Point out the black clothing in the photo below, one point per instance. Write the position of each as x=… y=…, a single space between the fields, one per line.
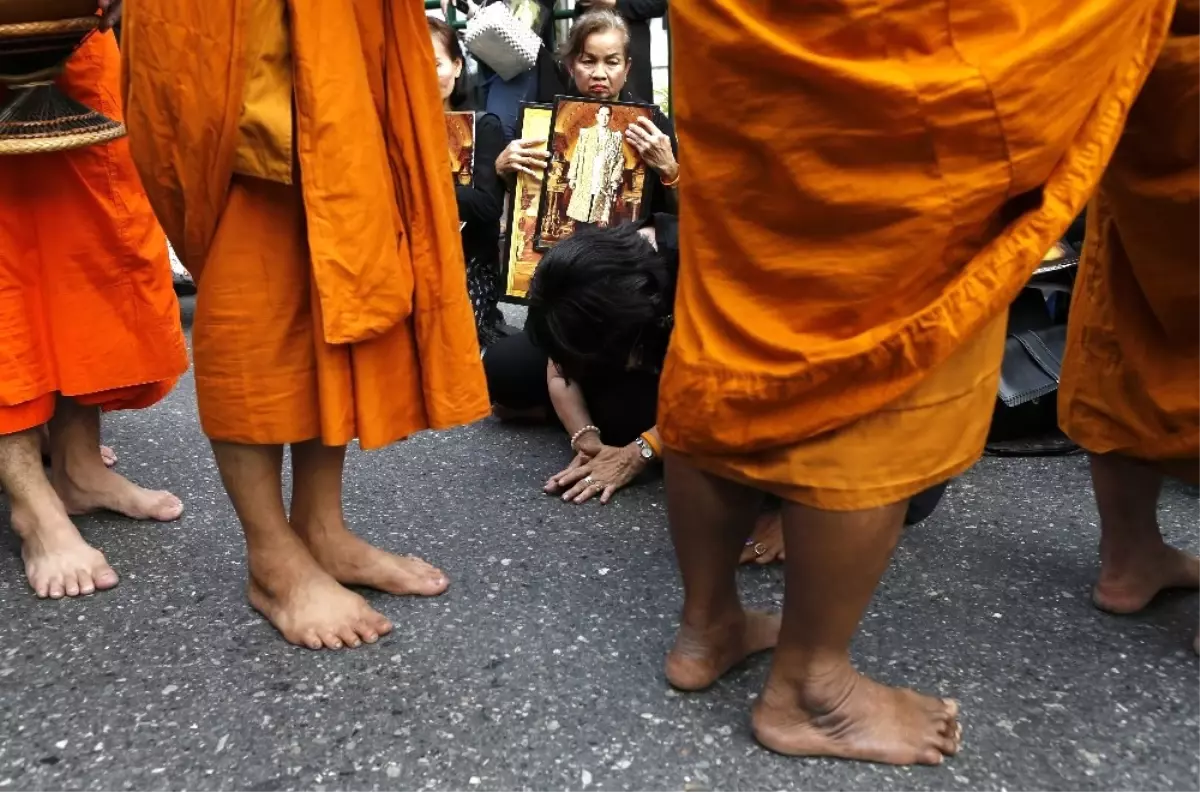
x=480 y=207
x=637 y=15
x=623 y=404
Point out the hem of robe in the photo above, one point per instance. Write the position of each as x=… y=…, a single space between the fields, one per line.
x=933 y=433
x=264 y=373
x=86 y=299
x=1131 y=372
x=36 y=412
x=709 y=403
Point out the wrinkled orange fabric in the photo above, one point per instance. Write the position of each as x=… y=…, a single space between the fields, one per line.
x=87 y=307
x=876 y=188
x=384 y=301
x=1131 y=374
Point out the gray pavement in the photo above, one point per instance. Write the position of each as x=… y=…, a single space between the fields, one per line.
x=540 y=669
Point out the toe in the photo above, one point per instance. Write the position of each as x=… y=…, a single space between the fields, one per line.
x=105 y=577
x=349 y=637
x=951 y=708
x=330 y=640
x=380 y=624
x=931 y=756
x=71 y=584
x=366 y=631
x=57 y=588
x=310 y=640
x=86 y=584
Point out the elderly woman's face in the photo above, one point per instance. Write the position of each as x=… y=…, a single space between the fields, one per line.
x=601 y=68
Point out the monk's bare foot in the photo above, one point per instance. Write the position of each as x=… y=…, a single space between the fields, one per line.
x=355 y=562
x=765 y=545
x=58 y=562
x=850 y=716
x=1127 y=583
x=103 y=489
x=701 y=657
x=309 y=607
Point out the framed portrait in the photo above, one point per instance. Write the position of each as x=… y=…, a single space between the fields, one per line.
x=460 y=129
x=594 y=176
x=522 y=257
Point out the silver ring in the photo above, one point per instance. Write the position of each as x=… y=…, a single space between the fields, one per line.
x=591 y=482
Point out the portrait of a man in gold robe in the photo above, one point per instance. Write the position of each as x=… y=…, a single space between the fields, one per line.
x=594 y=176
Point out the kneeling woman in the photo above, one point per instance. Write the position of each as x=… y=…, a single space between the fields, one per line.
x=600 y=319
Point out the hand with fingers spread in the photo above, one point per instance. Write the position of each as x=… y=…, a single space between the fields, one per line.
x=600 y=475
x=524 y=155
x=110 y=13
x=654 y=148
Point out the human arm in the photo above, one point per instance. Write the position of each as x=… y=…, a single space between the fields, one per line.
x=571 y=408
x=481 y=203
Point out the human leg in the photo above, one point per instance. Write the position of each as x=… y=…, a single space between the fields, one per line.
x=85 y=483
x=287 y=586
x=710 y=519
x=814 y=702
x=1135 y=563
x=58 y=562
x=318 y=520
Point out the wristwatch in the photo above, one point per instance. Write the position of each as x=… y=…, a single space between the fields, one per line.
x=645 y=450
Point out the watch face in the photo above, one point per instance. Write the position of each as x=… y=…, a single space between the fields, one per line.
x=647 y=451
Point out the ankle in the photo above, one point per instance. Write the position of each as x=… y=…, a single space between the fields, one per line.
x=712 y=616
x=817 y=685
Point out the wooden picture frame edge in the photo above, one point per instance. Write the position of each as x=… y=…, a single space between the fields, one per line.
x=537 y=233
x=506 y=259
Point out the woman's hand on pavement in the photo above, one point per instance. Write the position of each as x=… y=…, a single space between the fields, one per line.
x=600 y=475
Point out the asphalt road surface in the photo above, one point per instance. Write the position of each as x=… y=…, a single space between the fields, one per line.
x=541 y=668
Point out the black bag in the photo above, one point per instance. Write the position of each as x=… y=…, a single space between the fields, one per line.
x=1025 y=421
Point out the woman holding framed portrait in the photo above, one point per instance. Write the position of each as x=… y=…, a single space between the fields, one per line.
x=596 y=56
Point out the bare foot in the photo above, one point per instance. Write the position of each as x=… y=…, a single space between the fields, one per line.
x=854 y=717
x=106 y=490
x=58 y=562
x=108 y=456
x=310 y=608
x=355 y=562
x=765 y=545
x=1128 y=586
x=700 y=658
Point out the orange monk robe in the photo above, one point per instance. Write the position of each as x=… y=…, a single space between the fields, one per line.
x=869 y=190
x=334 y=306
x=1131 y=375
x=87 y=307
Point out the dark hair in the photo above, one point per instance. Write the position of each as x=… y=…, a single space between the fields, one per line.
x=601 y=300
x=600 y=21
x=460 y=97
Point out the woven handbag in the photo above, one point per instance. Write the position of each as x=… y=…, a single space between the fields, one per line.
x=500 y=40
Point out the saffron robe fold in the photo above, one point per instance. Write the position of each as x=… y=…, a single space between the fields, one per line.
x=349 y=315
x=1131 y=374
x=87 y=307
x=868 y=191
